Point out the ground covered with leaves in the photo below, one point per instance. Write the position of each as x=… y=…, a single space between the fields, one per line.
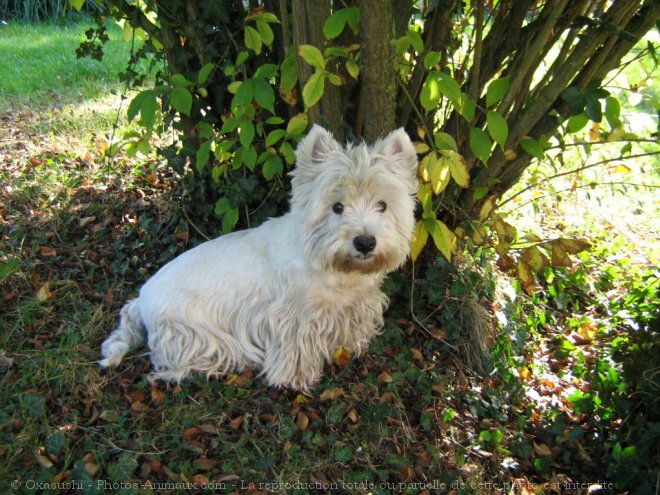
x=564 y=400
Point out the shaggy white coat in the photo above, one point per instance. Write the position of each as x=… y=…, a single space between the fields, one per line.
x=283 y=296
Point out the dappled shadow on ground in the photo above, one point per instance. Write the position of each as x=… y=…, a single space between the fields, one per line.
x=410 y=416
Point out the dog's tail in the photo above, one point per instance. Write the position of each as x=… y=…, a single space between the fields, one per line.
x=128 y=335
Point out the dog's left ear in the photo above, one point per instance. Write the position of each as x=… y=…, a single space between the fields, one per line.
x=316 y=146
x=398 y=148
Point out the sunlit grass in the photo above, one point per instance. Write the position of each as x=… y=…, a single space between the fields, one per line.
x=38 y=64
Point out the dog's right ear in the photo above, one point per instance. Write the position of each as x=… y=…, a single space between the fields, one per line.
x=315 y=147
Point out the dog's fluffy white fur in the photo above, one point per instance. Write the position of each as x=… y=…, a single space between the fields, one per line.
x=285 y=295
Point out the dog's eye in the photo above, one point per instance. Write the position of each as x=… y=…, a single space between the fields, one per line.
x=381 y=206
x=338 y=208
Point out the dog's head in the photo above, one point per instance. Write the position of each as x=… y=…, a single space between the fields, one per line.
x=355 y=203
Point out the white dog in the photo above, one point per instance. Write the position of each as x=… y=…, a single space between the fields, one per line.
x=285 y=295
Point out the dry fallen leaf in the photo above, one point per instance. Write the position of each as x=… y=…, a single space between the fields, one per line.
x=341 y=357
x=44 y=293
x=331 y=394
x=47 y=251
x=385 y=377
x=236 y=422
x=302 y=421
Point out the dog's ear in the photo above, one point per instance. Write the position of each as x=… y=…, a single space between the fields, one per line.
x=316 y=146
x=397 y=146
x=401 y=156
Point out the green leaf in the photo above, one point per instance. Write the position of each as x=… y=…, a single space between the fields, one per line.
x=431 y=59
x=202 y=156
x=334 y=25
x=466 y=107
x=313 y=90
x=430 y=95
x=449 y=87
x=274 y=137
x=288 y=74
x=272 y=167
x=265 y=71
x=77 y=4
x=244 y=94
x=576 y=123
x=353 y=18
x=250 y=157
x=204 y=73
x=145 y=104
x=613 y=112
x=242 y=57
x=496 y=90
x=229 y=220
x=264 y=95
x=575 y=99
x=181 y=99
x=124 y=468
x=343 y=455
x=289 y=154
x=230 y=125
x=252 y=39
x=8 y=268
x=180 y=80
x=297 y=124
x=593 y=109
x=532 y=147
x=416 y=40
x=444 y=141
x=497 y=127
x=246 y=133
x=353 y=68
x=312 y=56
x=222 y=206
x=265 y=32
x=480 y=144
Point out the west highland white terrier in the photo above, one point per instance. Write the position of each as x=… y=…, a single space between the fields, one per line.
x=284 y=296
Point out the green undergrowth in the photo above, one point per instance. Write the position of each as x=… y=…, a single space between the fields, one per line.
x=473 y=387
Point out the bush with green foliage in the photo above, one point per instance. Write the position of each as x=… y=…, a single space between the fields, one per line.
x=486 y=88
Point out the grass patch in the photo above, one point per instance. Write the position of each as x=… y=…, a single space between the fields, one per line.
x=39 y=66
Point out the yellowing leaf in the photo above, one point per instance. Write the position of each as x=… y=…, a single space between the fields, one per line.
x=559 y=256
x=440 y=175
x=421 y=147
x=297 y=124
x=587 y=331
x=458 y=167
x=420 y=237
x=341 y=356
x=526 y=277
x=444 y=239
x=620 y=169
x=487 y=208
x=505 y=231
x=535 y=258
x=574 y=246
x=510 y=155
x=479 y=236
x=425 y=167
x=505 y=262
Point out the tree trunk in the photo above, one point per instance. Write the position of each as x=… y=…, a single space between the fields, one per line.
x=378 y=75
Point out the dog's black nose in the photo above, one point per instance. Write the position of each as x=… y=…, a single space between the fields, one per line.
x=364 y=243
